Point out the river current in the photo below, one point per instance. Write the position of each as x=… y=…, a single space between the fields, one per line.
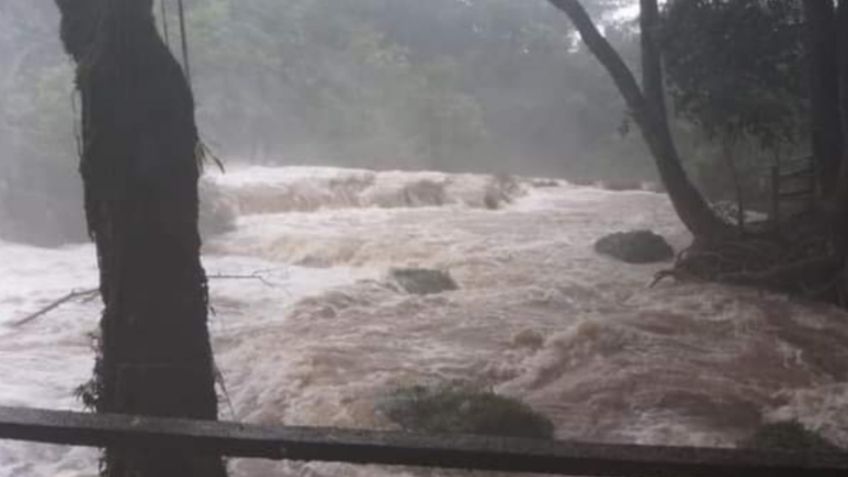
x=315 y=333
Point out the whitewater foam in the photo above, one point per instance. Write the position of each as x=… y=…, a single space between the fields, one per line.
x=263 y=190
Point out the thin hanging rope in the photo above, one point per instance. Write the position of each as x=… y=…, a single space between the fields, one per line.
x=164 y=14
x=184 y=39
x=202 y=152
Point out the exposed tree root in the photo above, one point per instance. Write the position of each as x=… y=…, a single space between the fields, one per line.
x=801 y=264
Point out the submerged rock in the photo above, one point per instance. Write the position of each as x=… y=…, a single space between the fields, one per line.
x=621 y=185
x=419 y=281
x=640 y=246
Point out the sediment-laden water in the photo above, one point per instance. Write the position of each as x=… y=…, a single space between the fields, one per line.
x=323 y=335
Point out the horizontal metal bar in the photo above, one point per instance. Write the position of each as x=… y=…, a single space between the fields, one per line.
x=798 y=160
x=806 y=173
x=393 y=448
x=797 y=194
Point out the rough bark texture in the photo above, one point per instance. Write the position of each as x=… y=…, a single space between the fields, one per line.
x=649 y=112
x=841 y=194
x=140 y=179
x=827 y=139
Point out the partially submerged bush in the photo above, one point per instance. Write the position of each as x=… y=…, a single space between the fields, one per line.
x=462 y=409
x=501 y=191
x=420 y=281
x=789 y=436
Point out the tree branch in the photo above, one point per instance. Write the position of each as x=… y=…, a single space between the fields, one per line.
x=605 y=53
x=253 y=276
x=649 y=112
x=92 y=293
x=55 y=304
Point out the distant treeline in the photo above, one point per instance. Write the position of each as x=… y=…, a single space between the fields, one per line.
x=500 y=86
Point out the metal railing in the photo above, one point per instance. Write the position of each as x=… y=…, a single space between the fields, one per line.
x=793 y=183
x=393 y=448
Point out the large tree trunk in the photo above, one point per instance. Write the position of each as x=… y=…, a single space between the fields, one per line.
x=140 y=177
x=649 y=112
x=826 y=125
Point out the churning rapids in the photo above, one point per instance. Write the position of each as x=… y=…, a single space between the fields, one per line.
x=538 y=316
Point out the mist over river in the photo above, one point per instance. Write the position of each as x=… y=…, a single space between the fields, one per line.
x=539 y=316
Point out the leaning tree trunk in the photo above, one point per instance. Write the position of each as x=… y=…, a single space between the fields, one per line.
x=648 y=110
x=140 y=179
x=826 y=124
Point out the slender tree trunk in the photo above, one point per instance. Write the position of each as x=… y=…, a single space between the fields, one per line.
x=840 y=201
x=140 y=178
x=826 y=124
x=652 y=75
x=648 y=110
x=727 y=152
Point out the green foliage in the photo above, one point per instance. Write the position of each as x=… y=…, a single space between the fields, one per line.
x=736 y=73
x=40 y=198
x=735 y=67
x=461 y=409
x=441 y=84
x=419 y=281
x=321 y=76
x=483 y=85
x=787 y=435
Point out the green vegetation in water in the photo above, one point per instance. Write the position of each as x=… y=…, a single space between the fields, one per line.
x=462 y=409
x=419 y=281
x=788 y=435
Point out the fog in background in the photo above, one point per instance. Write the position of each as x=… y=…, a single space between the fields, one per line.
x=489 y=86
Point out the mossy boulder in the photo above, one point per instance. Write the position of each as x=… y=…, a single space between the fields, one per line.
x=419 y=281
x=462 y=409
x=789 y=436
x=639 y=246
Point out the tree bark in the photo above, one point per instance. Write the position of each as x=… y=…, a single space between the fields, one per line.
x=652 y=76
x=727 y=152
x=140 y=178
x=649 y=113
x=840 y=198
x=826 y=123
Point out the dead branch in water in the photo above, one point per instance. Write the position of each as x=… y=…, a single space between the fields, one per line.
x=253 y=276
x=56 y=304
x=91 y=293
